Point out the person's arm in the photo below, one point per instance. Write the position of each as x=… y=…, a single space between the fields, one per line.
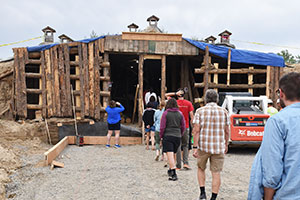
x=268 y=193
x=182 y=124
x=191 y=116
x=272 y=151
x=170 y=94
x=121 y=109
x=196 y=133
x=226 y=138
x=163 y=122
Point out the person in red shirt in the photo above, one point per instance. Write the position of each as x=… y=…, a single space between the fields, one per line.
x=186 y=107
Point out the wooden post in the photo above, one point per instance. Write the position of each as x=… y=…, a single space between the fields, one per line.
x=163 y=77
x=206 y=65
x=105 y=83
x=228 y=66
x=268 y=79
x=91 y=79
x=62 y=82
x=68 y=83
x=52 y=64
x=216 y=80
x=48 y=83
x=97 y=82
x=140 y=72
x=250 y=80
x=56 y=82
x=43 y=101
x=134 y=103
x=77 y=86
x=86 y=79
x=81 y=75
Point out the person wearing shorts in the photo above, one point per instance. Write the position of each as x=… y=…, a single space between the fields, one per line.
x=148 y=119
x=211 y=134
x=113 y=121
x=172 y=127
x=157 y=117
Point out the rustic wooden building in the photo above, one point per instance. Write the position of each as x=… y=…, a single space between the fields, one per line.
x=122 y=66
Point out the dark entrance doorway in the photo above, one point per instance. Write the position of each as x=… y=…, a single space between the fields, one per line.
x=152 y=76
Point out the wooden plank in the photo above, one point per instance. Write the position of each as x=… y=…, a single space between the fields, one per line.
x=163 y=77
x=105 y=64
x=52 y=153
x=8 y=73
x=67 y=79
x=56 y=82
x=206 y=65
x=141 y=81
x=151 y=36
x=97 y=82
x=86 y=80
x=135 y=102
x=43 y=86
x=32 y=75
x=90 y=140
x=250 y=80
x=62 y=82
x=48 y=83
x=268 y=79
x=22 y=100
x=34 y=107
x=51 y=50
x=34 y=91
x=216 y=76
x=153 y=57
x=57 y=164
x=16 y=83
x=228 y=66
x=232 y=71
x=34 y=61
x=225 y=86
x=91 y=79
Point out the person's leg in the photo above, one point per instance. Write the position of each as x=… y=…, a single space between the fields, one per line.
x=147 y=140
x=117 y=137
x=216 y=166
x=109 y=133
x=178 y=157
x=157 y=145
x=201 y=162
x=171 y=160
x=185 y=148
x=201 y=177
x=152 y=140
x=216 y=182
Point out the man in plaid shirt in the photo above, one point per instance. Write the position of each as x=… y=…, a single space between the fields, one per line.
x=211 y=134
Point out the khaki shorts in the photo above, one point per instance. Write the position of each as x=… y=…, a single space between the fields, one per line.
x=216 y=161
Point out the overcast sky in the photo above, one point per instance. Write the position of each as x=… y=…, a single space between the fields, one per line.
x=274 y=22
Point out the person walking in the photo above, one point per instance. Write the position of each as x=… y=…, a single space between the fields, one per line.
x=186 y=107
x=275 y=170
x=113 y=120
x=211 y=134
x=172 y=127
x=157 y=117
x=148 y=118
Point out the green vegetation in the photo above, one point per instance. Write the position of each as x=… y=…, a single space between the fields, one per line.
x=288 y=57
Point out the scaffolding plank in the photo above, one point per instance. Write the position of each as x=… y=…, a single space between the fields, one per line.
x=103 y=139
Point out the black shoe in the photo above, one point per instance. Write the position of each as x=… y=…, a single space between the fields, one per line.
x=202 y=196
x=173 y=176
x=169 y=172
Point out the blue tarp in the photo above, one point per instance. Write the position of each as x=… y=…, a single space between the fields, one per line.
x=48 y=46
x=241 y=56
x=237 y=55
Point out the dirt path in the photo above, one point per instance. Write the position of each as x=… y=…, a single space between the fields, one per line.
x=94 y=172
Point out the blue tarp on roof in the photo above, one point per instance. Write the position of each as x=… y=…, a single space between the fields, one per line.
x=48 y=46
x=241 y=56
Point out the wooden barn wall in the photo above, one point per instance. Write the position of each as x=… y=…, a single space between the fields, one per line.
x=77 y=67
x=116 y=44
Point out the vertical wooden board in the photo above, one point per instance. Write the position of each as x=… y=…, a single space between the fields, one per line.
x=97 y=83
x=105 y=83
x=268 y=78
x=86 y=80
x=22 y=78
x=62 y=82
x=250 y=80
x=91 y=79
x=163 y=77
x=205 y=78
x=48 y=83
x=43 y=85
x=56 y=82
x=67 y=79
x=141 y=80
x=81 y=75
x=51 y=51
x=216 y=76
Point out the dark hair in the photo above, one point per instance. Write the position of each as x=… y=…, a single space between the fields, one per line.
x=172 y=103
x=211 y=96
x=181 y=89
x=152 y=99
x=290 y=85
x=112 y=104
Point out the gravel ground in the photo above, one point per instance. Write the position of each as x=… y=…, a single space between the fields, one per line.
x=94 y=172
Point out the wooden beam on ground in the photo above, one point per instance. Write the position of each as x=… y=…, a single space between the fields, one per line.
x=228 y=66
x=52 y=153
x=163 y=77
x=56 y=164
x=206 y=65
x=103 y=139
x=250 y=80
x=141 y=81
x=268 y=79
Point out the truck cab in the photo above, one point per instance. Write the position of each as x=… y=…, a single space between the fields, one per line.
x=248 y=116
